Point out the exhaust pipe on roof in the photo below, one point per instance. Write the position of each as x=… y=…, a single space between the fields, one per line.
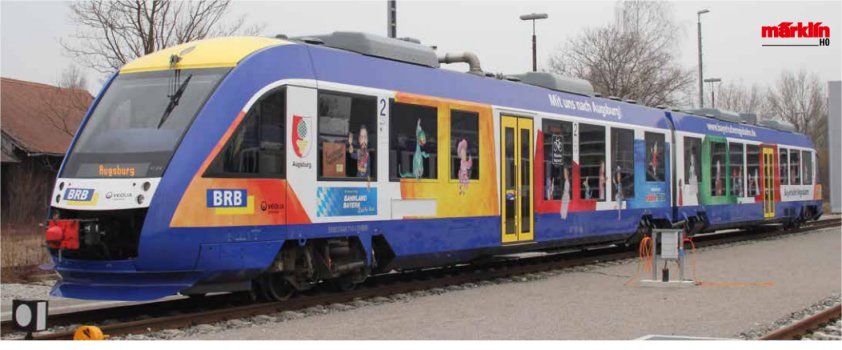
x=465 y=57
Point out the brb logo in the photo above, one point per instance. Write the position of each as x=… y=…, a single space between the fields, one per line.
x=80 y=196
x=230 y=201
x=790 y=30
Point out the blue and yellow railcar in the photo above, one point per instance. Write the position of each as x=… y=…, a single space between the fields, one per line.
x=274 y=165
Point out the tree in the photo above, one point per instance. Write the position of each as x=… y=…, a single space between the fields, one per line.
x=634 y=56
x=113 y=32
x=72 y=77
x=69 y=98
x=738 y=98
x=799 y=98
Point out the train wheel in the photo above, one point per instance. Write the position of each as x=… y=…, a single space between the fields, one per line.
x=277 y=287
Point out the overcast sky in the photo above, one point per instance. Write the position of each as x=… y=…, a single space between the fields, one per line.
x=731 y=32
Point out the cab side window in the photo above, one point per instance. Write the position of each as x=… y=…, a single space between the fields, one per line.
x=347 y=137
x=256 y=147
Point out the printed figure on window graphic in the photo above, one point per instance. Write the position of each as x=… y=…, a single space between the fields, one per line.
x=419 y=155
x=618 y=190
x=465 y=165
x=362 y=153
x=565 y=194
x=602 y=180
x=653 y=162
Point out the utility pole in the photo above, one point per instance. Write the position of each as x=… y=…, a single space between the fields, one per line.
x=712 y=96
x=701 y=77
x=532 y=17
x=392 y=18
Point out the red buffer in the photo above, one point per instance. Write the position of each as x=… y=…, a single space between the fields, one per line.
x=63 y=234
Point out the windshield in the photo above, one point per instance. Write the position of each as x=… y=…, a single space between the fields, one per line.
x=138 y=123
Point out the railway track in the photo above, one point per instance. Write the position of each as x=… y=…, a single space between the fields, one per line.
x=181 y=313
x=806 y=326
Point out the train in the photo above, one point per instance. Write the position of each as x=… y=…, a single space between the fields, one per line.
x=273 y=165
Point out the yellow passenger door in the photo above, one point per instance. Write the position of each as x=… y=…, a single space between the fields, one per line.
x=517 y=179
x=768 y=182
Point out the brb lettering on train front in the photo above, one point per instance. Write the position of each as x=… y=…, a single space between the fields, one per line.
x=78 y=194
x=226 y=198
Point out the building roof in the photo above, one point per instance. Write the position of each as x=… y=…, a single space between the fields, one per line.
x=41 y=118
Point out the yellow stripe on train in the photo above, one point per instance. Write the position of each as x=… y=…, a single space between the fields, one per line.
x=209 y=53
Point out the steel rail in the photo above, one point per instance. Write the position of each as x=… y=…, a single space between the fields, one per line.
x=805 y=326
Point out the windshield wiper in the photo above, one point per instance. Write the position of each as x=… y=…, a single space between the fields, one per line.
x=174 y=98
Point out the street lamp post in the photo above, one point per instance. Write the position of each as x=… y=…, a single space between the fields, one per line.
x=532 y=17
x=701 y=77
x=712 y=96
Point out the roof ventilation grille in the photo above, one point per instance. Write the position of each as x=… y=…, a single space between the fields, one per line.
x=720 y=114
x=407 y=50
x=777 y=125
x=557 y=83
x=749 y=118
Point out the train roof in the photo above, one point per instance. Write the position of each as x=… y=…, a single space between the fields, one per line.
x=711 y=126
x=352 y=68
x=354 y=65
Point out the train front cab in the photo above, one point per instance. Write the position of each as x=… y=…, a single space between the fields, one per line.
x=112 y=232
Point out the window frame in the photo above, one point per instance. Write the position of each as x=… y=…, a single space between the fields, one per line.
x=807 y=154
x=547 y=161
x=663 y=153
x=373 y=126
x=783 y=152
x=797 y=152
x=742 y=164
x=726 y=164
x=391 y=118
x=208 y=173
x=748 y=175
x=605 y=155
x=474 y=167
x=611 y=172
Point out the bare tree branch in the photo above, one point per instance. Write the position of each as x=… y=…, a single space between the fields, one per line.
x=631 y=57
x=113 y=32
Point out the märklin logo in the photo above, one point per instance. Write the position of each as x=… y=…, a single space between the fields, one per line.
x=790 y=30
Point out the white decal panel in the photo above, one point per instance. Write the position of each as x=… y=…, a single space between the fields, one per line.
x=103 y=194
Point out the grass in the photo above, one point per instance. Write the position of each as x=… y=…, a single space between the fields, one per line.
x=22 y=246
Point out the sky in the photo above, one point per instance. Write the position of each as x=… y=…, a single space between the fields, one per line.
x=30 y=32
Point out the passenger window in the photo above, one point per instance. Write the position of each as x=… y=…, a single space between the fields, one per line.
x=592 y=161
x=558 y=158
x=654 y=156
x=347 y=137
x=413 y=146
x=464 y=145
x=794 y=167
x=718 y=151
x=692 y=156
x=256 y=148
x=783 y=166
x=735 y=152
x=753 y=168
x=622 y=161
x=807 y=161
